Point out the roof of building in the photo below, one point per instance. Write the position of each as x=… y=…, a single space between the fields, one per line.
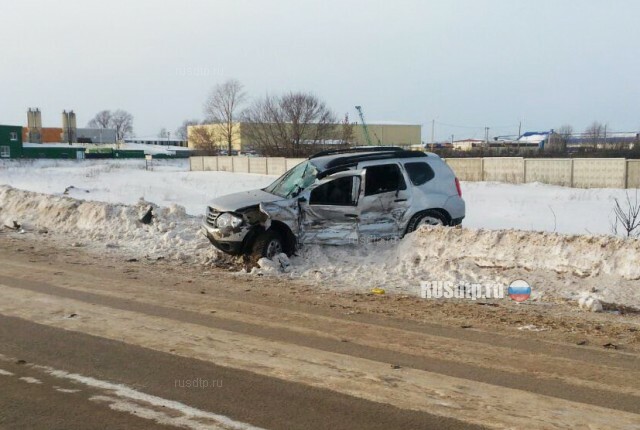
x=52 y=145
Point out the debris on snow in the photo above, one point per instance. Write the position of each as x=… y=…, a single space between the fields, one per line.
x=590 y=303
x=148 y=216
x=279 y=264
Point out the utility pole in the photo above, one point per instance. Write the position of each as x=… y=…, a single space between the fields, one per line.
x=486 y=136
x=433 y=133
x=520 y=129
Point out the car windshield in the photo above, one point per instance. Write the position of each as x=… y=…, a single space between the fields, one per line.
x=294 y=181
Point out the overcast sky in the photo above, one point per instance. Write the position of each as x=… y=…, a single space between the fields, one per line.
x=468 y=63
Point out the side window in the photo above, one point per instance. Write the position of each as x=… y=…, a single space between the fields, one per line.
x=419 y=173
x=5 y=151
x=339 y=192
x=13 y=135
x=384 y=179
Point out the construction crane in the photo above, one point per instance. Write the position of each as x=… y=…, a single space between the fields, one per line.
x=364 y=126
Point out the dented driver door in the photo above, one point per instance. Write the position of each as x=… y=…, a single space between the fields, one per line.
x=329 y=211
x=384 y=203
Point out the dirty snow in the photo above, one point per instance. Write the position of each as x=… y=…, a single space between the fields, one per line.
x=102 y=212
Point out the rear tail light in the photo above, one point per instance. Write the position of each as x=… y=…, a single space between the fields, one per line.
x=458 y=187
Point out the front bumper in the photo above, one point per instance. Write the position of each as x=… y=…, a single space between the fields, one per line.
x=231 y=243
x=234 y=242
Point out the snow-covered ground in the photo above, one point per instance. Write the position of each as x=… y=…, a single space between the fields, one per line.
x=102 y=211
x=535 y=207
x=126 y=181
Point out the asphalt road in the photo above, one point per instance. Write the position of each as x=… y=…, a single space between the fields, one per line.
x=87 y=344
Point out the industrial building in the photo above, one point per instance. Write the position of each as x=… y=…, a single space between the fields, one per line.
x=12 y=146
x=10 y=141
x=161 y=141
x=380 y=134
x=34 y=132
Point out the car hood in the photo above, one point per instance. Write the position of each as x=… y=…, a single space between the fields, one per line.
x=237 y=201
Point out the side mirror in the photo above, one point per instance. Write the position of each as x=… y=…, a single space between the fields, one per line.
x=302 y=199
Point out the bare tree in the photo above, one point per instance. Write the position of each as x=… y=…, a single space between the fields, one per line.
x=101 y=120
x=594 y=134
x=289 y=125
x=346 y=133
x=627 y=215
x=182 y=132
x=222 y=107
x=122 y=122
x=163 y=133
x=560 y=138
x=204 y=138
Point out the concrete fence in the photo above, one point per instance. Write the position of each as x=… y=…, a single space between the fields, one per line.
x=568 y=172
x=239 y=164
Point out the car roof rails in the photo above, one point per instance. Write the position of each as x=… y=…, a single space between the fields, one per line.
x=358 y=149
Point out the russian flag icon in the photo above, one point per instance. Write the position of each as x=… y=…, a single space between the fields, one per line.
x=519 y=291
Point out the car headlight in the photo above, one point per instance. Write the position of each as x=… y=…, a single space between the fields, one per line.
x=227 y=220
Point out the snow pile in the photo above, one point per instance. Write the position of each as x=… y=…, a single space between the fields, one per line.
x=579 y=255
x=172 y=234
x=555 y=265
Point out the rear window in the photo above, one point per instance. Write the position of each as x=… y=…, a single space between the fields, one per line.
x=419 y=172
x=383 y=179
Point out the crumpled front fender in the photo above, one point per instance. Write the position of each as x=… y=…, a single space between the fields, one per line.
x=285 y=211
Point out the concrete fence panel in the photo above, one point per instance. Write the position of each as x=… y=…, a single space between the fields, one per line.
x=548 y=171
x=633 y=173
x=196 y=164
x=225 y=163
x=258 y=165
x=466 y=169
x=293 y=162
x=276 y=165
x=210 y=163
x=504 y=169
x=240 y=164
x=578 y=172
x=599 y=172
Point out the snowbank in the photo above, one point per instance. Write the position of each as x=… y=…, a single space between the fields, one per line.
x=555 y=265
x=108 y=227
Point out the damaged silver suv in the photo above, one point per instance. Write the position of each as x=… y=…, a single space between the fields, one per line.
x=338 y=197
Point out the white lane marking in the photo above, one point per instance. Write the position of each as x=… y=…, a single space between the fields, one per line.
x=66 y=390
x=127 y=399
x=5 y=372
x=30 y=380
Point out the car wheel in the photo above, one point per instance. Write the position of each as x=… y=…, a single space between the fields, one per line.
x=430 y=217
x=267 y=245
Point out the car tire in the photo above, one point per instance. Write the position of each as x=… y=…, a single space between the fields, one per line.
x=267 y=245
x=429 y=217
